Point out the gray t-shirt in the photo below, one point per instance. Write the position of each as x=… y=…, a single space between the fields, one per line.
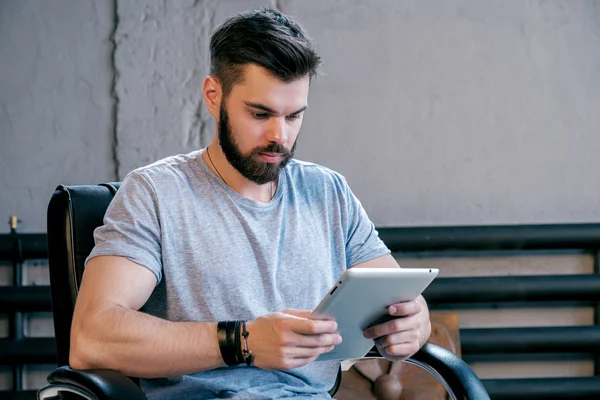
x=220 y=256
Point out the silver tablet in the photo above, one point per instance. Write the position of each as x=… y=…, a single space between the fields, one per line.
x=360 y=299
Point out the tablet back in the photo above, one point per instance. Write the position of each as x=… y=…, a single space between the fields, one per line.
x=361 y=298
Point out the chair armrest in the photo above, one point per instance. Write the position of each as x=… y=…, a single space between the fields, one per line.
x=460 y=379
x=450 y=370
x=94 y=384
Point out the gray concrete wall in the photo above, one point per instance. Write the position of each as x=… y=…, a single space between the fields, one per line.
x=455 y=112
x=56 y=124
x=460 y=112
x=161 y=60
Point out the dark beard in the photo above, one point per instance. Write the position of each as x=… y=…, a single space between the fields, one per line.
x=249 y=166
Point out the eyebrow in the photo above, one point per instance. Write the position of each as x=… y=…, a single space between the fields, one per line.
x=270 y=110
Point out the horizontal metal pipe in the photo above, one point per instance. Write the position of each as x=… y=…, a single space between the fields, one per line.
x=407 y=239
x=571 y=339
x=555 y=288
x=442 y=293
x=527 y=357
x=25 y=298
x=568 y=339
x=42 y=350
x=33 y=245
x=580 y=388
x=507 y=305
x=549 y=343
x=27 y=351
x=501 y=237
x=21 y=395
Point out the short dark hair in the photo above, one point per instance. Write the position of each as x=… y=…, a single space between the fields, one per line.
x=264 y=37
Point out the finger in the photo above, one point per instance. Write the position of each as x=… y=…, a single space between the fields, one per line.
x=398 y=338
x=394 y=326
x=405 y=309
x=307 y=352
x=401 y=350
x=311 y=326
x=323 y=340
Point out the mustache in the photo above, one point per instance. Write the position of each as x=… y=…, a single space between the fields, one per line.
x=273 y=148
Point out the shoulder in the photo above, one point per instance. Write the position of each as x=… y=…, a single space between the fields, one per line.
x=168 y=165
x=165 y=172
x=311 y=173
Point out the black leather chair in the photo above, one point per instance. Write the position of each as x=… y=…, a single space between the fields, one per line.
x=73 y=214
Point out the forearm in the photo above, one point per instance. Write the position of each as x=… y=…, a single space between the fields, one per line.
x=141 y=345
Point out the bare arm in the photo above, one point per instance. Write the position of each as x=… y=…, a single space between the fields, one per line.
x=109 y=332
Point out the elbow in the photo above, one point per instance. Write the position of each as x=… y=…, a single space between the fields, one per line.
x=78 y=361
x=79 y=355
x=82 y=352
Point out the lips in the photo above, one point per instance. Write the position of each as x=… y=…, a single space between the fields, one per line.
x=271 y=157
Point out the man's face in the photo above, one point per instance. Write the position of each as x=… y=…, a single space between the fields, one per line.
x=259 y=123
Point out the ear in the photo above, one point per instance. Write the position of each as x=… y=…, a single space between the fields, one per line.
x=212 y=93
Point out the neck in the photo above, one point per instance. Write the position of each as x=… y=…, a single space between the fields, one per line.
x=217 y=161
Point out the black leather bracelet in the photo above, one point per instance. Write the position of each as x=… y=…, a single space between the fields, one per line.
x=231 y=341
x=247 y=355
x=226 y=336
x=238 y=343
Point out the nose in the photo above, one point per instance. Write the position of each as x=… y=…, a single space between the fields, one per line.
x=277 y=130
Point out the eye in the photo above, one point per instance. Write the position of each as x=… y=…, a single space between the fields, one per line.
x=260 y=115
x=293 y=117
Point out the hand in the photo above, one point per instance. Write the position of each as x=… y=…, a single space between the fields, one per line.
x=404 y=335
x=288 y=339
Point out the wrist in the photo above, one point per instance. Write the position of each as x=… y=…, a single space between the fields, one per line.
x=228 y=337
x=233 y=345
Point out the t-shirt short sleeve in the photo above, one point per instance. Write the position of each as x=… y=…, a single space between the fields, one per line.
x=362 y=239
x=131 y=225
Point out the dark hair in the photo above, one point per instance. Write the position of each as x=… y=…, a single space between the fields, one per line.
x=264 y=37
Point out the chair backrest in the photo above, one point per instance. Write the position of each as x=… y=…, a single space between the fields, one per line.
x=74 y=212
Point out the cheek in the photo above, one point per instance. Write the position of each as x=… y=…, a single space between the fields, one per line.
x=247 y=133
x=293 y=132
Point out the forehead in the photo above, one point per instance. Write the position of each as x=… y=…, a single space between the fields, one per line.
x=260 y=86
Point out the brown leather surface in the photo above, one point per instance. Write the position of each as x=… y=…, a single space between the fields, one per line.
x=386 y=380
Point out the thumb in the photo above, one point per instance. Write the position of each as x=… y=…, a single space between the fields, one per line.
x=297 y=313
